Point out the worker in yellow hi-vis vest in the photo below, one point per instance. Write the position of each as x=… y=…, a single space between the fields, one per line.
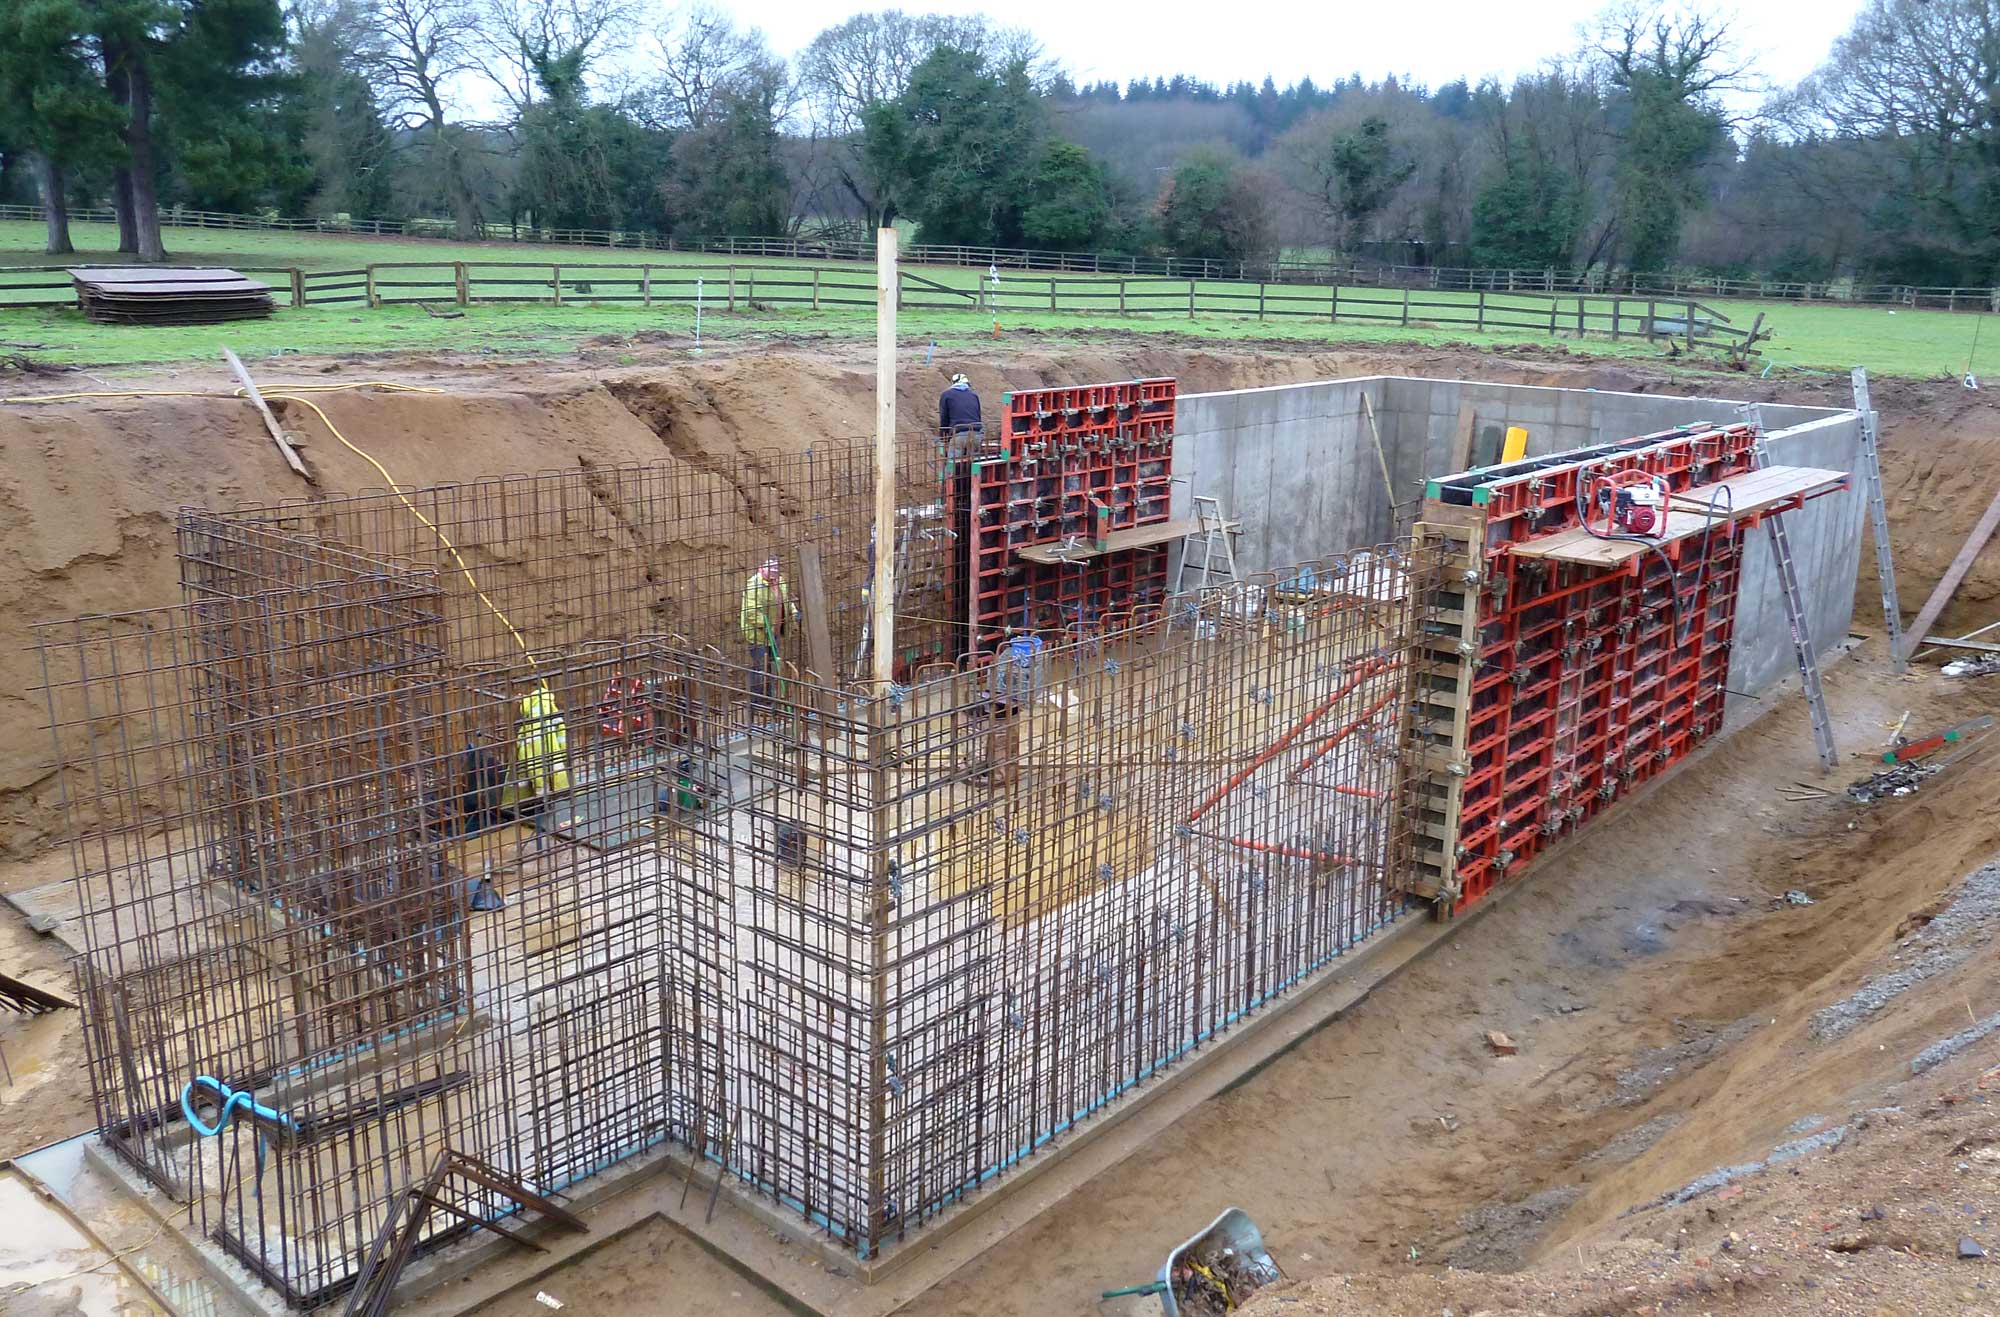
x=541 y=747
x=767 y=608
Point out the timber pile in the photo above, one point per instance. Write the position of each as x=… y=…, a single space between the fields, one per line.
x=157 y=295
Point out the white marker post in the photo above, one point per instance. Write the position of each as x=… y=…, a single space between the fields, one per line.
x=883 y=601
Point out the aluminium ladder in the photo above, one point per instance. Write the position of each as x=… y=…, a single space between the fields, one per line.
x=1210 y=528
x=1795 y=612
x=1878 y=516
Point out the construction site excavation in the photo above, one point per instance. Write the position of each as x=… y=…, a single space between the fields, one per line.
x=848 y=850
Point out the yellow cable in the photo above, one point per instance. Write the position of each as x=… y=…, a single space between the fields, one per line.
x=385 y=385
x=415 y=511
x=345 y=442
x=395 y=488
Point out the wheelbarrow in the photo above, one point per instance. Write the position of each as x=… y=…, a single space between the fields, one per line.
x=1215 y=1271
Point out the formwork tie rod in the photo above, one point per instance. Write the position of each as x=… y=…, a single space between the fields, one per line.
x=1326 y=746
x=1373 y=667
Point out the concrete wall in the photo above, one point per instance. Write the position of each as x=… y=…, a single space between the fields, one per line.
x=1297 y=465
x=1294 y=464
x=1825 y=536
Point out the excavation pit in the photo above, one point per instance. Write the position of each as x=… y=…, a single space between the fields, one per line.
x=860 y=954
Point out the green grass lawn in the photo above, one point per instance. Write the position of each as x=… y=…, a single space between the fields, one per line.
x=21 y=244
x=1814 y=337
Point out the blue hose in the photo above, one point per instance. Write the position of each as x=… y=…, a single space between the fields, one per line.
x=231 y=1101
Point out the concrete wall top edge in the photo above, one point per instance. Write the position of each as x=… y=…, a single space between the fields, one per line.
x=1526 y=391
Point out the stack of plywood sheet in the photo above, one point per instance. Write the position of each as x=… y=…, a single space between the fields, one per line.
x=163 y=295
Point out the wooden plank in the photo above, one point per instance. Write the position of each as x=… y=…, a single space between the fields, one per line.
x=1688 y=515
x=1461 y=440
x=270 y=421
x=819 y=637
x=1753 y=491
x=126 y=276
x=1953 y=575
x=1382 y=458
x=1135 y=537
x=29 y=999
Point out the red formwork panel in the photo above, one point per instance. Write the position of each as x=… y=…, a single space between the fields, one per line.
x=1590 y=681
x=1067 y=464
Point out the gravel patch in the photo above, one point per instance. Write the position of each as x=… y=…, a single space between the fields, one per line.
x=1938 y=1053
x=1960 y=929
x=1722 y=1175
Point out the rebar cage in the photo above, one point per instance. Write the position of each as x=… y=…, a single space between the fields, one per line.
x=467 y=819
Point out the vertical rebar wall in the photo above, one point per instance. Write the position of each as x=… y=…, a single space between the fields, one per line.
x=466 y=817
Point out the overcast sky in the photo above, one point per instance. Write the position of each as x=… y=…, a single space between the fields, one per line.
x=1431 y=42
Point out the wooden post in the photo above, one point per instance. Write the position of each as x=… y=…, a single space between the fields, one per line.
x=819 y=640
x=646 y=285
x=732 y=288
x=460 y=285
x=881 y=718
x=1461 y=437
x=816 y=294
x=1121 y=296
x=1052 y=292
x=555 y=282
x=1333 y=305
x=1381 y=456
x=368 y=291
x=1652 y=318
x=1406 y=306
x=298 y=286
x=1482 y=311
x=1190 y=299
x=1260 y=299
x=1688 y=325
x=1579 y=315
x=882 y=600
x=277 y=431
x=1553 y=305
x=1914 y=637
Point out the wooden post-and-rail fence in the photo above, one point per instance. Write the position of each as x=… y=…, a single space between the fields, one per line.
x=764 y=288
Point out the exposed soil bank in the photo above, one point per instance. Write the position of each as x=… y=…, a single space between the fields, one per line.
x=1664 y=1002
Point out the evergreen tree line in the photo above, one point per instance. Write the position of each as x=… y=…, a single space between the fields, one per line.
x=1650 y=146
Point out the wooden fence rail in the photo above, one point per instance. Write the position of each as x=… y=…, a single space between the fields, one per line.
x=1002 y=260
x=764 y=287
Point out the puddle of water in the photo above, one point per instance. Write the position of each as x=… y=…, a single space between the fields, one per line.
x=43 y=1261
x=160 y=1254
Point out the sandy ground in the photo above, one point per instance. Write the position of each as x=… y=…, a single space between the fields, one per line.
x=1659 y=986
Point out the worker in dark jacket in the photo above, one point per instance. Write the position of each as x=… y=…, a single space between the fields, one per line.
x=958 y=408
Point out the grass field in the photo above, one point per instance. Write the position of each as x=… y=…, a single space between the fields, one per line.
x=1815 y=337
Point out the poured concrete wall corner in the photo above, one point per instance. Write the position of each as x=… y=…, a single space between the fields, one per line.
x=1296 y=464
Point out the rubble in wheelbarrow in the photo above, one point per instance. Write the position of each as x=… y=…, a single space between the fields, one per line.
x=1218 y=1282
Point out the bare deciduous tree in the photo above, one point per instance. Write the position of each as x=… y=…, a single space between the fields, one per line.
x=418 y=50
x=702 y=57
x=869 y=58
x=518 y=39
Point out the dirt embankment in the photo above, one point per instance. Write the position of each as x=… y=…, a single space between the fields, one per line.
x=1664 y=994
x=89 y=489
